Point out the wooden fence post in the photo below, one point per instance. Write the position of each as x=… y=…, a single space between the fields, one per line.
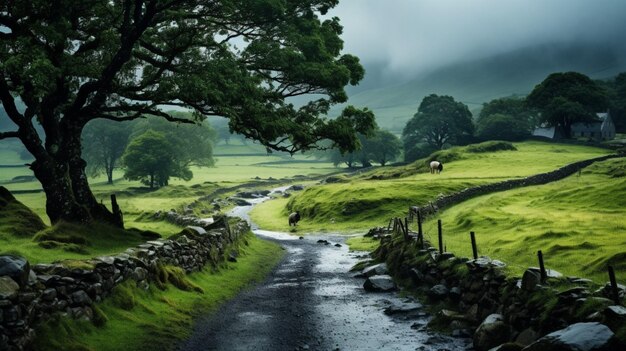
x=542 y=268
x=440 y=236
x=474 y=249
x=420 y=233
x=614 y=291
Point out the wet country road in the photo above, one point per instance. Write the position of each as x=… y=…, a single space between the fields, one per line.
x=312 y=302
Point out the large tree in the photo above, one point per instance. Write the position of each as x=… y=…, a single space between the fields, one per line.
x=567 y=98
x=384 y=147
x=439 y=121
x=72 y=62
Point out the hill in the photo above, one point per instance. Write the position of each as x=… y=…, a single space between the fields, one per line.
x=475 y=82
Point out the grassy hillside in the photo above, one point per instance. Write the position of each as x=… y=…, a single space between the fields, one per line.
x=579 y=223
x=365 y=201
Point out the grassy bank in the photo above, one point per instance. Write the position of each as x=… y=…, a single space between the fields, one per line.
x=355 y=204
x=577 y=222
x=133 y=319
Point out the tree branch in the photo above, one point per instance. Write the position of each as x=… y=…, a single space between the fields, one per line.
x=11 y=134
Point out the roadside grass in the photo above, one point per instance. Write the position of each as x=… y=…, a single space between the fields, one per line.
x=361 y=243
x=134 y=319
x=370 y=199
x=578 y=223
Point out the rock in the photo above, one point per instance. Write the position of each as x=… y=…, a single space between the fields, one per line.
x=530 y=279
x=615 y=316
x=8 y=288
x=139 y=274
x=461 y=333
x=49 y=294
x=438 y=292
x=527 y=337
x=199 y=230
x=577 y=337
x=322 y=241
x=15 y=267
x=296 y=188
x=403 y=308
x=491 y=333
x=377 y=269
x=301 y=238
x=240 y=202
x=379 y=283
x=416 y=275
x=455 y=293
x=80 y=298
x=337 y=245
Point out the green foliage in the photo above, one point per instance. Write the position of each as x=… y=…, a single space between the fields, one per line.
x=566 y=98
x=439 y=121
x=192 y=143
x=616 y=89
x=502 y=127
x=104 y=142
x=123 y=61
x=490 y=146
x=152 y=159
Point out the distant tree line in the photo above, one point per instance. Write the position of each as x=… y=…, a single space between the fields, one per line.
x=561 y=100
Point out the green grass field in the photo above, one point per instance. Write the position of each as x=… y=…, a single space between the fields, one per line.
x=579 y=223
x=363 y=202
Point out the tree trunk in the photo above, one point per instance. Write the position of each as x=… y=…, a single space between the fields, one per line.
x=60 y=201
x=84 y=195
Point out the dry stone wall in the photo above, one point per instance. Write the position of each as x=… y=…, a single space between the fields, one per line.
x=32 y=294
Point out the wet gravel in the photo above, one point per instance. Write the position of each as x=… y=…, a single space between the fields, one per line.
x=312 y=302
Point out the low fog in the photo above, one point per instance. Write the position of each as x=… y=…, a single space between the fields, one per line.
x=412 y=37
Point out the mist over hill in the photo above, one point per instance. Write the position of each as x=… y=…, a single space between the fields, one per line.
x=395 y=97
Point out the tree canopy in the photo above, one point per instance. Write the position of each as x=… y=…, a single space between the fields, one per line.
x=72 y=62
x=566 y=98
x=104 y=143
x=505 y=119
x=439 y=120
x=152 y=159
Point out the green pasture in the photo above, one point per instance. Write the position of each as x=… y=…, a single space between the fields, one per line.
x=579 y=223
x=371 y=199
x=134 y=319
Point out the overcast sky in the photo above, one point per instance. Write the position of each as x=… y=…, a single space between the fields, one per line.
x=420 y=35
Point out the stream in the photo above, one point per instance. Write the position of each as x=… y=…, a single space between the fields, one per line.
x=311 y=301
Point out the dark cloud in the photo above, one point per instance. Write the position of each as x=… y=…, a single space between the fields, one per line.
x=420 y=35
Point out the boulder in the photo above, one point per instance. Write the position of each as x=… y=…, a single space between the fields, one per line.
x=491 y=333
x=577 y=337
x=438 y=292
x=379 y=283
x=240 y=202
x=8 y=288
x=403 y=308
x=530 y=279
x=377 y=269
x=15 y=267
x=527 y=337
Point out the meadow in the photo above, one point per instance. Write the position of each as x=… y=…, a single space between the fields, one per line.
x=236 y=164
x=578 y=223
x=355 y=204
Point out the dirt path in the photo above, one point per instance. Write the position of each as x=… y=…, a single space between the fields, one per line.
x=312 y=302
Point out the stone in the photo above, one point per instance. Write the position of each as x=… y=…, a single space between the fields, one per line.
x=337 y=245
x=49 y=294
x=15 y=267
x=530 y=279
x=139 y=274
x=455 y=293
x=438 y=292
x=416 y=275
x=577 y=337
x=8 y=288
x=80 y=298
x=199 y=230
x=527 y=337
x=379 y=283
x=508 y=347
x=240 y=202
x=491 y=333
x=403 y=308
x=377 y=269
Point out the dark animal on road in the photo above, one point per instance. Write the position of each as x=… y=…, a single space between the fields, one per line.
x=436 y=167
x=294 y=218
